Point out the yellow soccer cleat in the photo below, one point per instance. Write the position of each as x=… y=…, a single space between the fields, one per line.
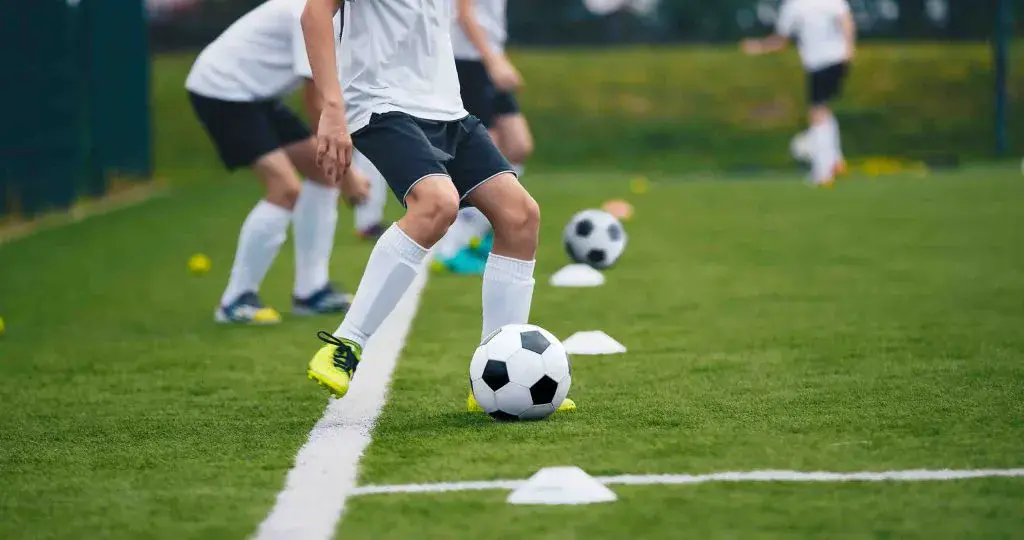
x=247 y=309
x=334 y=364
x=473 y=406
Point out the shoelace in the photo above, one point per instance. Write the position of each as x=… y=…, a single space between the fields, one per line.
x=344 y=357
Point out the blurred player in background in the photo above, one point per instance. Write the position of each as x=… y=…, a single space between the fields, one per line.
x=488 y=82
x=401 y=101
x=235 y=88
x=826 y=36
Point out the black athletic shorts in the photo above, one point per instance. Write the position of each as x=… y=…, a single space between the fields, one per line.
x=479 y=95
x=244 y=131
x=826 y=84
x=406 y=150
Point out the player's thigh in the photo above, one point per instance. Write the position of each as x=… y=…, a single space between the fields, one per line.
x=476 y=158
x=303 y=155
x=401 y=152
x=507 y=205
x=514 y=137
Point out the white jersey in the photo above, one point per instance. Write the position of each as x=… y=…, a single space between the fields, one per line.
x=261 y=56
x=396 y=55
x=490 y=15
x=817 y=27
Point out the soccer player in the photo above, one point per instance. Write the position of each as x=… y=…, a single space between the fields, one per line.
x=488 y=82
x=401 y=102
x=826 y=39
x=235 y=88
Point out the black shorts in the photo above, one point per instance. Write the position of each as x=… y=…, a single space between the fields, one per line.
x=479 y=95
x=826 y=84
x=244 y=131
x=406 y=150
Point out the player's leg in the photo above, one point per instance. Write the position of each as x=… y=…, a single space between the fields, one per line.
x=452 y=252
x=314 y=223
x=511 y=131
x=823 y=158
x=244 y=136
x=840 y=79
x=369 y=216
x=486 y=181
x=421 y=182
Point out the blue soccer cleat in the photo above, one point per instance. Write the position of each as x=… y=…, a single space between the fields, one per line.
x=463 y=263
x=247 y=309
x=327 y=300
x=482 y=246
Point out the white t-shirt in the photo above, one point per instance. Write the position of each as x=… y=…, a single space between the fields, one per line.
x=490 y=15
x=817 y=27
x=396 y=55
x=261 y=56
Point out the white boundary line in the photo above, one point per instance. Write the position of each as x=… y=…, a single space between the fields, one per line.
x=915 y=475
x=326 y=467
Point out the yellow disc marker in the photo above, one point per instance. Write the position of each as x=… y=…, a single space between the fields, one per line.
x=2 y=327
x=639 y=185
x=199 y=264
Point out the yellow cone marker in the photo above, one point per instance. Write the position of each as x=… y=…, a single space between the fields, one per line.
x=2 y=327
x=199 y=264
x=639 y=185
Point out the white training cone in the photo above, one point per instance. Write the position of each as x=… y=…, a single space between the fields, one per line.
x=561 y=485
x=577 y=275
x=592 y=342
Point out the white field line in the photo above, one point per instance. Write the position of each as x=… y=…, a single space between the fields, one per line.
x=326 y=467
x=916 y=475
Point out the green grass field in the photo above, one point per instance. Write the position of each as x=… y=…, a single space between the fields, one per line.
x=875 y=326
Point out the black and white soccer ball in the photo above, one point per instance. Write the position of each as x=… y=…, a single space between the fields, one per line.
x=594 y=237
x=520 y=372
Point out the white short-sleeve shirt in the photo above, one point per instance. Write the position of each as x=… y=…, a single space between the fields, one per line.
x=261 y=56
x=396 y=55
x=490 y=15
x=816 y=25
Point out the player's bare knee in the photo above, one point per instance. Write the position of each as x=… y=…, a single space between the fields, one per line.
x=433 y=205
x=519 y=222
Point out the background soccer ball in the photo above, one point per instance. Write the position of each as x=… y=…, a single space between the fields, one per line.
x=521 y=372
x=594 y=237
x=800 y=147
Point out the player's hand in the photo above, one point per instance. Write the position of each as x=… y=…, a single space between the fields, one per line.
x=504 y=75
x=355 y=187
x=333 y=144
x=751 y=47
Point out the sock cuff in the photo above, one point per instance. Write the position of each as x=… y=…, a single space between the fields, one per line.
x=270 y=210
x=509 y=269
x=316 y=188
x=407 y=249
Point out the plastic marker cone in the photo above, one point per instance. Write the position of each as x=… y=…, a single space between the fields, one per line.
x=592 y=342
x=561 y=485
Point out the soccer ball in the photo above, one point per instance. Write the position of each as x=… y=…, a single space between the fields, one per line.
x=800 y=147
x=594 y=237
x=520 y=372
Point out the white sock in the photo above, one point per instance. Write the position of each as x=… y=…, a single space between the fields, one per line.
x=823 y=154
x=263 y=232
x=394 y=263
x=470 y=223
x=519 y=169
x=371 y=212
x=507 y=292
x=837 y=145
x=314 y=222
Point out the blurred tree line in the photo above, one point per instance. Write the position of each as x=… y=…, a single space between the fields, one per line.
x=188 y=24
